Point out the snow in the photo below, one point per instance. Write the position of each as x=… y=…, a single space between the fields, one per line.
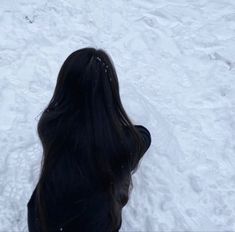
x=175 y=61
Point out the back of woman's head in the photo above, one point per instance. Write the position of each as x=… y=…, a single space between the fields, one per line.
x=89 y=142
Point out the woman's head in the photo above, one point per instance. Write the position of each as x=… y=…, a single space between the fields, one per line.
x=87 y=79
x=89 y=142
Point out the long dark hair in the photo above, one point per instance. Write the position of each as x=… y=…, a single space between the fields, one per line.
x=84 y=131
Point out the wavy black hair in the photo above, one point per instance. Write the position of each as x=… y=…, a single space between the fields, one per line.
x=84 y=131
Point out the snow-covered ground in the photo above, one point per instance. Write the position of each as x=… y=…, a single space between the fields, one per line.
x=176 y=65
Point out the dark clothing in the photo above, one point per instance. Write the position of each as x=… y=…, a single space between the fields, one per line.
x=79 y=215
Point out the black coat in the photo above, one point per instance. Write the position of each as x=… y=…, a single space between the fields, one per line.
x=80 y=215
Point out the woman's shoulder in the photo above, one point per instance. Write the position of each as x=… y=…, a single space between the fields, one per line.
x=143 y=129
x=146 y=134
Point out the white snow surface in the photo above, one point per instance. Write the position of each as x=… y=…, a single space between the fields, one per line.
x=175 y=61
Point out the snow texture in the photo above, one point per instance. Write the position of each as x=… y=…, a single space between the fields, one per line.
x=175 y=61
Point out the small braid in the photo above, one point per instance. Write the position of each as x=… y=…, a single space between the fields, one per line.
x=100 y=60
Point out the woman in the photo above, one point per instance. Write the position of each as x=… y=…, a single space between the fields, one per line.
x=90 y=150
